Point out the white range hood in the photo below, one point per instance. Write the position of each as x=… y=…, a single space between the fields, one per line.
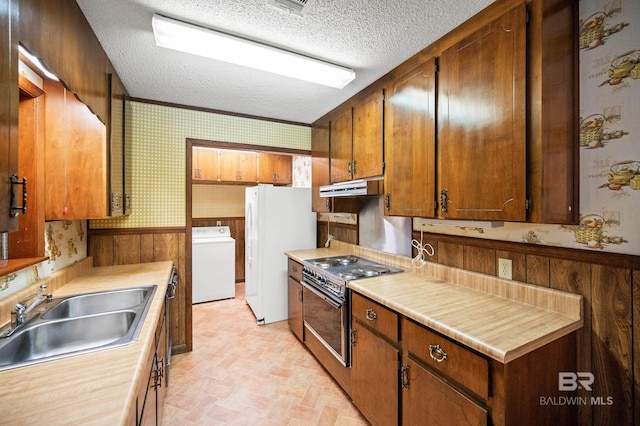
x=353 y=188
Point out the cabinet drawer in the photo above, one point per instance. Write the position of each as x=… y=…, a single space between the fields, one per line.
x=449 y=358
x=295 y=270
x=375 y=316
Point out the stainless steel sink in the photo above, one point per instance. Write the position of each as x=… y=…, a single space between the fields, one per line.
x=94 y=303
x=75 y=325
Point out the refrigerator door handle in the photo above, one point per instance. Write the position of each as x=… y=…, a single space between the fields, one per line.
x=249 y=220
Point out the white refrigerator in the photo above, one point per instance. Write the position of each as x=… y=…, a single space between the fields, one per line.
x=277 y=219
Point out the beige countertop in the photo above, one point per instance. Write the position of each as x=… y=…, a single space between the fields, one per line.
x=499 y=318
x=95 y=388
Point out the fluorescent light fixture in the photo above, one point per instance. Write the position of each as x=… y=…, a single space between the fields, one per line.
x=35 y=61
x=201 y=41
x=421 y=222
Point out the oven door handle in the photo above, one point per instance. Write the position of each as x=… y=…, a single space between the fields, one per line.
x=322 y=296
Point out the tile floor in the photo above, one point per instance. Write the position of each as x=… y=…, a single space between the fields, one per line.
x=240 y=373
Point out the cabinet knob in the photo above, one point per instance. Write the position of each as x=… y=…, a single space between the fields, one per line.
x=437 y=354
x=371 y=314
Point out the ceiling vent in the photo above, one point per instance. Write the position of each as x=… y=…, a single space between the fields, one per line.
x=299 y=7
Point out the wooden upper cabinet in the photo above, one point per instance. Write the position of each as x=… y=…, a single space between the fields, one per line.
x=320 y=165
x=28 y=240
x=552 y=156
x=206 y=164
x=76 y=158
x=341 y=145
x=482 y=122
x=8 y=110
x=368 y=153
x=275 y=168
x=238 y=166
x=115 y=138
x=409 y=150
x=320 y=173
x=58 y=33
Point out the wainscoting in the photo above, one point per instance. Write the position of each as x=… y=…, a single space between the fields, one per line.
x=126 y=246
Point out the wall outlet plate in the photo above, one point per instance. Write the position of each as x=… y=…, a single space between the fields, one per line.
x=505 y=268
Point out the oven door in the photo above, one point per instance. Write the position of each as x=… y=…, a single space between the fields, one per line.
x=328 y=318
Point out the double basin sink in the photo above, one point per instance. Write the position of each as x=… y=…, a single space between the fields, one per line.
x=74 y=325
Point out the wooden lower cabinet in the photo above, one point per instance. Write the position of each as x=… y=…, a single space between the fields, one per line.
x=374 y=377
x=295 y=308
x=426 y=399
x=294 y=293
x=152 y=391
x=405 y=373
x=375 y=360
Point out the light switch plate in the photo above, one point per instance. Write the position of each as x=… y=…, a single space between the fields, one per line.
x=504 y=268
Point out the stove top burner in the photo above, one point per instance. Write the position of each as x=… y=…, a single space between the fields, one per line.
x=347 y=268
x=326 y=262
x=347 y=260
x=352 y=274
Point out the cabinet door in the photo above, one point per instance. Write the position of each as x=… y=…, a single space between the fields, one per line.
x=368 y=136
x=428 y=400
x=238 y=166
x=374 y=377
x=115 y=139
x=206 y=165
x=8 y=109
x=28 y=240
x=410 y=131
x=76 y=158
x=482 y=110
x=341 y=146
x=161 y=364
x=320 y=165
x=295 y=308
x=275 y=168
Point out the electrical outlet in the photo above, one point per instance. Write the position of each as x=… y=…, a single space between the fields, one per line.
x=504 y=268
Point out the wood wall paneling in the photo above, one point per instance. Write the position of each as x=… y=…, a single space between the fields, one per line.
x=575 y=277
x=480 y=260
x=451 y=254
x=538 y=270
x=127 y=246
x=612 y=344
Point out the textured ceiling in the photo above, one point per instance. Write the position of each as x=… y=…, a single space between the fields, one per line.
x=370 y=36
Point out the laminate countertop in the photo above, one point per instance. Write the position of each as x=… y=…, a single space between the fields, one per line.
x=95 y=388
x=499 y=318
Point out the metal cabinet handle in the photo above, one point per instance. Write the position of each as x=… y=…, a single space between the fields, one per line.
x=371 y=315
x=404 y=376
x=15 y=208
x=437 y=354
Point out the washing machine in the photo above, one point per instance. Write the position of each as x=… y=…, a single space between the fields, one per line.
x=213 y=264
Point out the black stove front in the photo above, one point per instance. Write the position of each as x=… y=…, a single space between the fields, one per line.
x=326 y=298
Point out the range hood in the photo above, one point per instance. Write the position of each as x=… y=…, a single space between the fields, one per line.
x=353 y=188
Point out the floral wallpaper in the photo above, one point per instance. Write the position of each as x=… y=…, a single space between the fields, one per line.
x=65 y=243
x=609 y=141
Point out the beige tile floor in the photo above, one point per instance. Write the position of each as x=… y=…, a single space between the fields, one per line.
x=240 y=373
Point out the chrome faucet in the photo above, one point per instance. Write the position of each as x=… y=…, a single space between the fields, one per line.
x=21 y=309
